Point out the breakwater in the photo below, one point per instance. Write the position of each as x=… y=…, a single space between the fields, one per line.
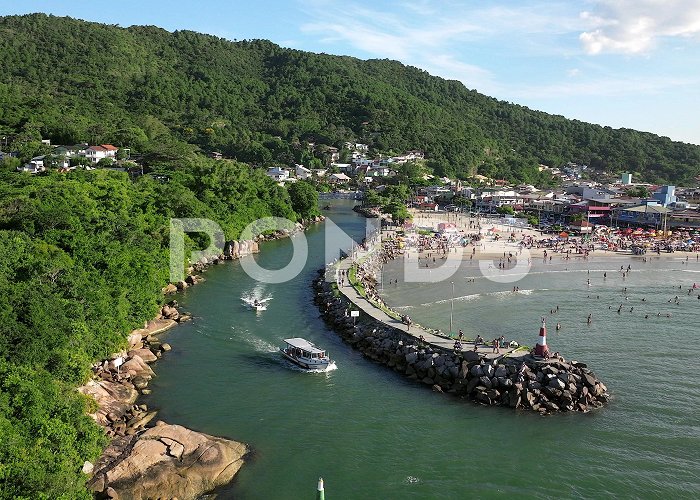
x=515 y=380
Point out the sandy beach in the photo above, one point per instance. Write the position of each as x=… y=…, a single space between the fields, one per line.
x=501 y=241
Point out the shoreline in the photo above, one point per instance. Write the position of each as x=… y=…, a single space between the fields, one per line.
x=154 y=460
x=494 y=243
x=518 y=380
x=514 y=378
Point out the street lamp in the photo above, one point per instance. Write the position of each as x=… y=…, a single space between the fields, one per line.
x=452 y=306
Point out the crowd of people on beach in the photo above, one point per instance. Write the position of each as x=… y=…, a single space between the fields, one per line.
x=437 y=245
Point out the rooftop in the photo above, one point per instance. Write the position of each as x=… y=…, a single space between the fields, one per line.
x=303 y=344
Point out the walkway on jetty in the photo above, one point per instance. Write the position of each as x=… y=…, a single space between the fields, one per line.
x=351 y=293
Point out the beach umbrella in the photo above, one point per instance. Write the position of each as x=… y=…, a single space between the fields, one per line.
x=563 y=234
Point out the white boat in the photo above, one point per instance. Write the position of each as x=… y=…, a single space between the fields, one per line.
x=255 y=304
x=303 y=353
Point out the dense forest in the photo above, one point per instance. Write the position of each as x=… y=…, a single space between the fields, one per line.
x=72 y=81
x=84 y=259
x=85 y=254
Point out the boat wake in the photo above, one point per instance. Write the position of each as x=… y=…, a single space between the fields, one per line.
x=257 y=343
x=254 y=300
x=291 y=366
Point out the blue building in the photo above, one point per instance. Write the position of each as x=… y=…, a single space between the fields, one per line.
x=665 y=196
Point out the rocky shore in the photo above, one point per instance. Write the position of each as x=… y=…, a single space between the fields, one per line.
x=369 y=212
x=516 y=381
x=165 y=461
x=148 y=458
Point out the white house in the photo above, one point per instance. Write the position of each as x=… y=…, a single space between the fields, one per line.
x=96 y=153
x=379 y=171
x=302 y=172
x=319 y=172
x=338 y=178
x=278 y=174
x=35 y=166
x=343 y=167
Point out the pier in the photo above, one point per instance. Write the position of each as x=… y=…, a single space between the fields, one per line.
x=392 y=319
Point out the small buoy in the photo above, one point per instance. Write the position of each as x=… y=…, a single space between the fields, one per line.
x=320 y=495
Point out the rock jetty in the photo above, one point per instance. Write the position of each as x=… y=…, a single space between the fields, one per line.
x=515 y=381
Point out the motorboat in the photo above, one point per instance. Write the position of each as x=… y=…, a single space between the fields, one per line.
x=306 y=355
x=256 y=304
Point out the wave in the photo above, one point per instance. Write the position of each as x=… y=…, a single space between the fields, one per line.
x=472 y=296
x=475 y=296
x=258 y=344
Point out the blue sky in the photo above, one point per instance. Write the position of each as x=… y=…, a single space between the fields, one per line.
x=622 y=63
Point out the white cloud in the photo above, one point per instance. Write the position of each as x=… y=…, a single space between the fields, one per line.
x=635 y=26
x=437 y=37
x=606 y=87
x=449 y=67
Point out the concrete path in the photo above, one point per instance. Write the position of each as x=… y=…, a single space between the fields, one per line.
x=414 y=330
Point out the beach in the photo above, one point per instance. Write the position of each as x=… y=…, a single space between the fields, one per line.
x=500 y=240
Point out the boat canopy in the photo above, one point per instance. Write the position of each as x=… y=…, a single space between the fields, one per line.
x=303 y=344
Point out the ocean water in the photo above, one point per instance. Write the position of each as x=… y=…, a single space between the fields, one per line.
x=370 y=433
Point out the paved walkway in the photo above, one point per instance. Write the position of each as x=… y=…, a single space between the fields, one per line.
x=414 y=330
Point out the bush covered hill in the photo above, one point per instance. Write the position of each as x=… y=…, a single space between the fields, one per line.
x=253 y=100
x=85 y=257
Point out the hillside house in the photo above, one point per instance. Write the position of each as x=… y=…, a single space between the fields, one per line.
x=338 y=178
x=97 y=153
x=278 y=174
x=302 y=172
x=34 y=166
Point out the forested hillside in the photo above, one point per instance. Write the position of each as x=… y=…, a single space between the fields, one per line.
x=76 y=81
x=84 y=258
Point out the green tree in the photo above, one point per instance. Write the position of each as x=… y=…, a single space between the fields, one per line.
x=506 y=210
x=304 y=199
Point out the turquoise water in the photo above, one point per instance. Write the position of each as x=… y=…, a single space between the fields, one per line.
x=373 y=434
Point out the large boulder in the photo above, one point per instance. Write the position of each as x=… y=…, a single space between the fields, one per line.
x=556 y=383
x=170 y=312
x=145 y=354
x=470 y=356
x=112 y=399
x=169 y=461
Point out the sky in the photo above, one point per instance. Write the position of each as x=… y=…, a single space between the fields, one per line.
x=620 y=63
